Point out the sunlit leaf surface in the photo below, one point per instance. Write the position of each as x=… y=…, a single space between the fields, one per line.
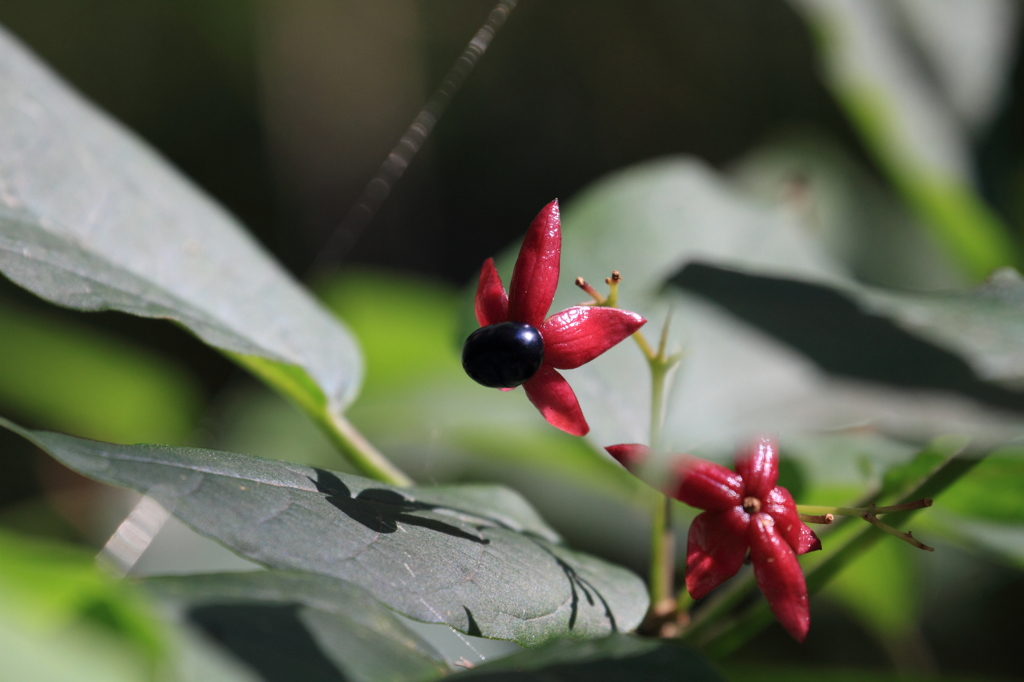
x=476 y=557
x=93 y=219
x=613 y=659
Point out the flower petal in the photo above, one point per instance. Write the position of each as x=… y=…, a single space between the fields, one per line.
x=552 y=395
x=715 y=549
x=535 y=276
x=778 y=503
x=579 y=334
x=758 y=464
x=491 y=300
x=629 y=455
x=808 y=542
x=779 y=576
x=707 y=485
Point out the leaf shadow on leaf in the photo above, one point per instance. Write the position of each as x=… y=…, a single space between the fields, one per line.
x=382 y=510
x=269 y=637
x=835 y=332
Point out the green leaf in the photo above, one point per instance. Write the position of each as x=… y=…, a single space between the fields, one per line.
x=618 y=658
x=66 y=619
x=92 y=218
x=57 y=601
x=48 y=586
x=846 y=209
x=288 y=625
x=763 y=673
x=967 y=344
x=872 y=69
x=476 y=557
x=67 y=377
x=991 y=491
x=882 y=589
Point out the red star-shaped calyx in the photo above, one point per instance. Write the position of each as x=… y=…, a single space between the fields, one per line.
x=568 y=339
x=745 y=510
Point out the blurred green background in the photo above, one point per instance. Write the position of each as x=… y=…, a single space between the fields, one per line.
x=284 y=110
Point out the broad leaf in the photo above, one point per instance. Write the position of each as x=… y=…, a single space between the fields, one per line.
x=64 y=618
x=966 y=344
x=860 y=222
x=762 y=673
x=991 y=491
x=68 y=377
x=303 y=626
x=476 y=557
x=872 y=68
x=47 y=586
x=93 y=219
x=619 y=658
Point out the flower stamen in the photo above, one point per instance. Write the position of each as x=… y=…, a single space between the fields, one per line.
x=751 y=505
x=591 y=291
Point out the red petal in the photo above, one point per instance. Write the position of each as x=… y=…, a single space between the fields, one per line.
x=552 y=395
x=779 y=504
x=808 y=542
x=629 y=455
x=707 y=485
x=491 y=301
x=579 y=334
x=715 y=549
x=535 y=276
x=758 y=464
x=779 y=576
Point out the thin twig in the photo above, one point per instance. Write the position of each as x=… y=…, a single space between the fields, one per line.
x=344 y=237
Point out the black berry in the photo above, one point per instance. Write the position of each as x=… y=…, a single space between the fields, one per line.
x=503 y=355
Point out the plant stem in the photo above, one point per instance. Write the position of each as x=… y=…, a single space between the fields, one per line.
x=663 y=546
x=368 y=460
x=661 y=577
x=861 y=511
x=295 y=385
x=663 y=539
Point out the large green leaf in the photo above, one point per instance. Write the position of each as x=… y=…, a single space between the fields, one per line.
x=846 y=208
x=872 y=66
x=619 y=658
x=966 y=344
x=47 y=586
x=291 y=626
x=476 y=557
x=763 y=673
x=64 y=618
x=93 y=219
x=68 y=377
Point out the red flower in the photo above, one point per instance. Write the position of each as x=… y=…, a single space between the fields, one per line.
x=745 y=511
x=504 y=352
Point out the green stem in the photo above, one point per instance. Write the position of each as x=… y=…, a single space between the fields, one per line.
x=293 y=383
x=368 y=460
x=861 y=511
x=663 y=539
x=663 y=550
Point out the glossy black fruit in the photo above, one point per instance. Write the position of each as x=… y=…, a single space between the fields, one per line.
x=503 y=355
